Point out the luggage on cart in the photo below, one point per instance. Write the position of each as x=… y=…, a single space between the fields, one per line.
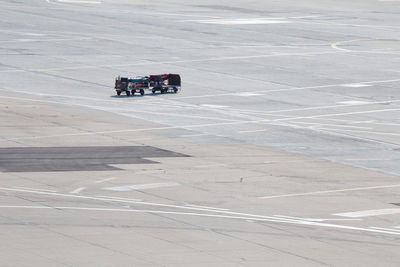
x=174 y=80
x=165 y=83
x=138 y=84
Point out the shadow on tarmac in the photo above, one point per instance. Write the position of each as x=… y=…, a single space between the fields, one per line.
x=138 y=95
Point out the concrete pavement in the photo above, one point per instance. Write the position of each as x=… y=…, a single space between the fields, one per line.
x=281 y=149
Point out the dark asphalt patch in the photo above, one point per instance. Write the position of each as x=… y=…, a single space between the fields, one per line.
x=92 y=158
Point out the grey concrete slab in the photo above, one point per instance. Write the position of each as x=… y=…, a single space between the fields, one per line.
x=231 y=205
x=49 y=159
x=288 y=113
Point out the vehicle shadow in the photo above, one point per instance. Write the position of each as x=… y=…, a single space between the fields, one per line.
x=126 y=96
x=145 y=95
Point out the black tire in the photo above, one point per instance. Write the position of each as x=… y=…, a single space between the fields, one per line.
x=153 y=91
x=141 y=91
x=175 y=90
x=118 y=92
x=162 y=91
x=128 y=93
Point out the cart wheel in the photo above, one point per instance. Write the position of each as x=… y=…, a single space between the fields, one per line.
x=118 y=92
x=175 y=90
x=141 y=91
x=128 y=93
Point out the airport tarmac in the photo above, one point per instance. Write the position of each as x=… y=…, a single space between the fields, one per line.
x=282 y=149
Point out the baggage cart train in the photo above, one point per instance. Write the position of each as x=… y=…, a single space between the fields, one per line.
x=162 y=83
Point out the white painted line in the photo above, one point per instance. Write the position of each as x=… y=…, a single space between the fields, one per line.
x=187 y=61
x=351 y=121
x=121 y=198
x=197 y=125
x=248 y=21
x=315 y=124
x=210 y=165
x=315 y=219
x=245 y=57
x=385 y=229
x=32 y=34
x=78 y=190
x=180 y=115
x=238 y=215
x=43 y=40
x=194 y=135
x=263 y=18
x=126 y=130
x=382 y=81
x=339 y=114
x=286 y=161
x=298 y=89
x=245 y=94
x=368 y=213
x=207 y=207
x=120 y=111
x=176 y=15
x=356 y=85
x=332 y=191
x=150 y=171
x=105 y=180
x=132 y=202
x=271 y=219
x=381 y=159
x=55 y=96
x=344 y=134
x=277 y=220
x=254 y=131
x=44 y=190
x=213 y=106
x=141 y=186
x=354 y=102
x=193 y=126
x=79 y=1
x=360 y=131
x=143 y=139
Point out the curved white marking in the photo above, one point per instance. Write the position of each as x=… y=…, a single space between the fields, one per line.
x=335 y=45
